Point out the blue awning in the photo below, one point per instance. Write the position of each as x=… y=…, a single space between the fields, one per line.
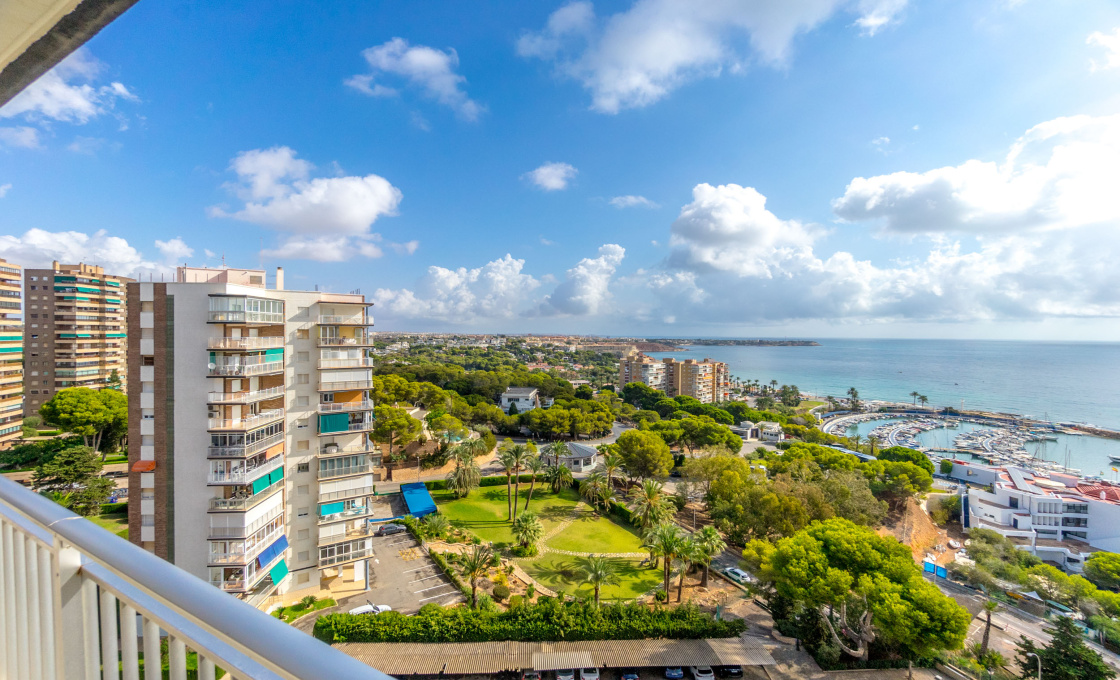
x=268 y=554
x=418 y=500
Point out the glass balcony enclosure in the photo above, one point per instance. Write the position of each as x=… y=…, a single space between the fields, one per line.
x=224 y=309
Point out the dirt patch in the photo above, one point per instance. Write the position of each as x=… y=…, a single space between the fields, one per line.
x=914 y=528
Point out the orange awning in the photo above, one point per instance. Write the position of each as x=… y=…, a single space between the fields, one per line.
x=144 y=466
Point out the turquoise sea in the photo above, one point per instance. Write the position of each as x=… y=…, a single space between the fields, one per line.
x=1061 y=382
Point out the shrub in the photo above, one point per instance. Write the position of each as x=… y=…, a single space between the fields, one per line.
x=114 y=508
x=660 y=596
x=476 y=540
x=545 y=620
x=451 y=574
x=495 y=559
x=430 y=609
x=516 y=601
x=531 y=591
x=524 y=551
x=486 y=604
x=501 y=592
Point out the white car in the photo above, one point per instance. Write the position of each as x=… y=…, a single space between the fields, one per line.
x=738 y=575
x=589 y=674
x=371 y=608
x=702 y=673
x=566 y=675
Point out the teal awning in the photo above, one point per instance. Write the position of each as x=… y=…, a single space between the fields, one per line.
x=279 y=572
x=334 y=422
x=275 y=476
x=331 y=508
x=261 y=484
x=274 y=354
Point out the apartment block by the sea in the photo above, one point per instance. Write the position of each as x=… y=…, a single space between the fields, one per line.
x=75 y=327
x=11 y=354
x=706 y=381
x=253 y=463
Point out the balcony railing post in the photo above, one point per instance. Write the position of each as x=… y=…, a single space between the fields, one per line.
x=75 y=643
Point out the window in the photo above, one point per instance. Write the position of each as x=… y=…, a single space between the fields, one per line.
x=303 y=334
x=148 y=361
x=301 y=312
x=303 y=489
x=303 y=534
x=302 y=401
x=303 y=578
x=303 y=467
x=303 y=379
x=303 y=356
x=303 y=446
x=301 y=512
x=301 y=424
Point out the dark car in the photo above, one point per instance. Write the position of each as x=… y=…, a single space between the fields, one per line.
x=390 y=529
x=729 y=671
x=674 y=673
x=629 y=674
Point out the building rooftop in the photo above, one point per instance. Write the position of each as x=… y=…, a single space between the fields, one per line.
x=519 y=392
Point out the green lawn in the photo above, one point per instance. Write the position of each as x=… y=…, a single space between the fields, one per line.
x=116 y=523
x=295 y=611
x=594 y=534
x=484 y=511
x=562 y=574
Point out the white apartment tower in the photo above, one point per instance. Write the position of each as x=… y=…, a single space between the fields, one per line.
x=254 y=464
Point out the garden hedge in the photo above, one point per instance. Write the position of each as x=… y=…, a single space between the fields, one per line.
x=113 y=508
x=499 y=480
x=548 y=619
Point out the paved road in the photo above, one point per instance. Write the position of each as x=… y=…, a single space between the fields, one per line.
x=402 y=576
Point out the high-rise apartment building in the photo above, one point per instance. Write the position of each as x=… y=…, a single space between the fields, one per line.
x=74 y=322
x=707 y=381
x=250 y=463
x=11 y=354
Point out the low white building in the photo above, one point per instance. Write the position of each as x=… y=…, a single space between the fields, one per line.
x=770 y=432
x=1059 y=517
x=525 y=398
x=580 y=457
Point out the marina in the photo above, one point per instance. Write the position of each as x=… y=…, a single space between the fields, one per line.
x=1038 y=446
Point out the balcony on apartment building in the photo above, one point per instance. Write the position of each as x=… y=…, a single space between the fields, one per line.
x=326 y=385
x=242 y=449
x=349 y=362
x=345 y=320
x=336 y=512
x=247 y=422
x=356 y=489
x=345 y=533
x=356 y=341
x=244 y=473
x=236 y=580
x=101 y=600
x=236 y=367
x=245 y=551
x=250 y=497
x=246 y=396
x=245 y=310
x=235 y=532
x=346 y=470
x=246 y=343
x=345 y=406
x=330 y=557
x=344 y=423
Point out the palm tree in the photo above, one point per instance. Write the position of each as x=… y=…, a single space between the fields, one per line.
x=989 y=607
x=599 y=571
x=612 y=463
x=773 y=385
x=558 y=476
x=711 y=544
x=915 y=395
x=649 y=504
x=924 y=399
x=857 y=439
x=520 y=454
x=475 y=563
x=535 y=465
x=436 y=525
x=594 y=490
x=63 y=498
x=528 y=529
x=466 y=476
x=474 y=447
x=558 y=450
x=872 y=440
x=664 y=540
x=509 y=464
x=688 y=554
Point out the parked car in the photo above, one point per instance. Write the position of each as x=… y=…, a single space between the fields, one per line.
x=589 y=674
x=629 y=674
x=738 y=575
x=390 y=529
x=566 y=675
x=702 y=673
x=674 y=673
x=530 y=675
x=729 y=671
x=371 y=608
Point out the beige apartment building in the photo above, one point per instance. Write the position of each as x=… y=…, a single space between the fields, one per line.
x=74 y=323
x=11 y=354
x=707 y=381
x=253 y=468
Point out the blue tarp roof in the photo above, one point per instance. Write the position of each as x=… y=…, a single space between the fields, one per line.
x=418 y=500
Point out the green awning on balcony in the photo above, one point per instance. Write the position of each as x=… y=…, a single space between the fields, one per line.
x=261 y=484
x=274 y=354
x=275 y=476
x=7 y=350
x=279 y=572
x=334 y=422
x=331 y=508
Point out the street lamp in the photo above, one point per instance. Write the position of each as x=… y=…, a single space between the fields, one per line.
x=1039 y=660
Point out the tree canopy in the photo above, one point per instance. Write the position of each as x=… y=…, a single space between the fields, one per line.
x=644 y=454
x=92 y=414
x=77 y=471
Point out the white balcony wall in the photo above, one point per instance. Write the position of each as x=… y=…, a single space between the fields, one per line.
x=346 y=484
x=147 y=346
x=147 y=400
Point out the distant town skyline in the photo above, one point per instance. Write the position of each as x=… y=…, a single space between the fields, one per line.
x=870 y=168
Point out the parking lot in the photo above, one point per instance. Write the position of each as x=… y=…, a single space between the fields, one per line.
x=402 y=576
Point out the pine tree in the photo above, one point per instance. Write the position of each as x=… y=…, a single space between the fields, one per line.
x=1067 y=657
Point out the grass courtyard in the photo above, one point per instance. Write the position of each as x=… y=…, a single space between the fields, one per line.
x=116 y=523
x=484 y=511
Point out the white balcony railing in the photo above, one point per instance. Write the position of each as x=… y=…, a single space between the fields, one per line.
x=340 y=385
x=353 y=513
x=246 y=423
x=345 y=557
x=246 y=502
x=245 y=343
x=80 y=603
x=362 y=426
x=243 y=450
x=344 y=342
x=345 y=406
x=245 y=397
x=242 y=476
x=355 y=362
x=344 y=471
x=245 y=552
x=227 y=532
x=246 y=317
x=348 y=319
x=241 y=370
x=345 y=493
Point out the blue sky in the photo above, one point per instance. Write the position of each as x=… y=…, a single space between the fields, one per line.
x=892 y=168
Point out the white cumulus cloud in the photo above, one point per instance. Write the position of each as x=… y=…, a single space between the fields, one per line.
x=4 y=188
x=586 y=289
x=1058 y=175
x=1110 y=43
x=552 y=176
x=67 y=92
x=431 y=70
x=19 y=137
x=497 y=290
x=633 y=202
x=174 y=250
x=38 y=248
x=638 y=56
x=329 y=217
